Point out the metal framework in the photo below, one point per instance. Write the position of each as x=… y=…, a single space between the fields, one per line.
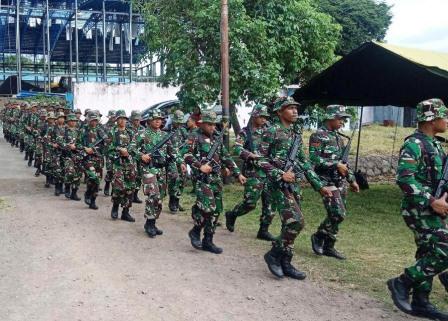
x=61 y=38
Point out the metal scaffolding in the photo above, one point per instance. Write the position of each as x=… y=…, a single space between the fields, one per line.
x=36 y=41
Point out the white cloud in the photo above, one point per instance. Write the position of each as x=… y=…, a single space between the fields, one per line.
x=419 y=24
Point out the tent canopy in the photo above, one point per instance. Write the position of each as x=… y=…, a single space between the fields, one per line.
x=378 y=75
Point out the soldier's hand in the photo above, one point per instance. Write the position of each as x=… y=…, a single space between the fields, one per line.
x=89 y=150
x=326 y=192
x=225 y=172
x=55 y=145
x=146 y=158
x=342 y=169
x=242 y=179
x=183 y=168
x=124 y=152
x=289 y=177
x=206 y=169
x=72 y=146
x=354 y=187
x=253 y=156
x=440 y=206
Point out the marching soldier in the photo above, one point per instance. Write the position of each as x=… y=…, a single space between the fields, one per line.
x=47 y=148
x=209 y=183
x=72 y=158
x=123 y=166
x=91 y=141
x=420 y=168
x=279 y=144
x=107 y=127
x=57 y=169
x=135 y=129
x=176 y=167
x=326 y=147
x=38 y=134
x=246 y=147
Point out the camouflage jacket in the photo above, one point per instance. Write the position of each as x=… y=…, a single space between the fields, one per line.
x=199 y=144
x=70 y=136
x=326 y=148
x=56 y=135
x=119 y=139
x=88 y=137
x=274 y=148
x=240 y=149
x=135 y=131
x=415 y=179
x=178 y=142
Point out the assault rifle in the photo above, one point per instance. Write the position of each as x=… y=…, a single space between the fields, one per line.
x=209 y=160
x=290 y=164
x=156 y=157
x=334 y=174
x=443 y=181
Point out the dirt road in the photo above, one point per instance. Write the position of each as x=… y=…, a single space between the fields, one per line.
x=60 y=261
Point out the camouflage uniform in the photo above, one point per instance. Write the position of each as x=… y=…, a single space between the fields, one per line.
x=107 y=127
x=209 y=188
x=154 y=185
x=57 y=165
x=326 y=148
x=135 y=131
x=176 y=178
x=93 y=163
x=124 y=170
x=256 y=185
x=47 y=149
x=72 y=159
x=420 y=168
x=274 y=149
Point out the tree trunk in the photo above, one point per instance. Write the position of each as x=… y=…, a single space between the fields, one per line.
x=234 y=119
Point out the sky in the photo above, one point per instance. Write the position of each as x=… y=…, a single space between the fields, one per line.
x=420 y=24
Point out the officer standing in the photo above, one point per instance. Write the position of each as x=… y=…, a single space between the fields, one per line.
x=326 y=147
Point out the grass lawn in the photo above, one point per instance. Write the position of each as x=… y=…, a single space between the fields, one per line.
x=374 y=237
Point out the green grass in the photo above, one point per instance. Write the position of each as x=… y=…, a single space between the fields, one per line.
x=373 y=237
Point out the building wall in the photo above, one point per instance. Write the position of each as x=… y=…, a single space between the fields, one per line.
x=133 y=96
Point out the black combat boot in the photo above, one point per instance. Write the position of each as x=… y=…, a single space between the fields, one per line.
x=74 y=195
x=30 y=159
x=22 y=145
x=126 y=216
x=47 y=181
x=400 y=289
x=423 y=308
x=92 y=204
x=317 y=244
x=150 y=228
x=263 y=233
x=273 y=260
x=230 y=221
x=88 y=195
x=67 y=191
x=443 y=277
x=26 y=155
x=330 y=251
x=107 y=189
x=158 y=231
x=114 y=211
x=172 y=205
x=37 y=173
x=135 y=199
x=195 y=237
x=208 y=245
x=57 y=189
x=17 y=143
x=180 y=207
x=289 y=270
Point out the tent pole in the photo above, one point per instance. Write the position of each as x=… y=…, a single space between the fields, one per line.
x=18 y=51
x=359 y=139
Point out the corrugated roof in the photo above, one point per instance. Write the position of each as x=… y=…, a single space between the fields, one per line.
x=426 y=58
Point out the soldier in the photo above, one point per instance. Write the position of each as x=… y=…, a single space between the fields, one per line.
x=153 y=164
x=107 y=127
x=91 y=140
x=15 y=125
x=78 y=114
x=277 y=143
x=420 y=168
x=326 y=147
x=209 y=184
x=176 y=167
x=31 y=125
x=47 y=149
x=57 y=169
x=23 y=112
x=72 y=158
x=191 y=128
x=38 y=134
x=123 y=165
x=245 y=147
x=136 y=128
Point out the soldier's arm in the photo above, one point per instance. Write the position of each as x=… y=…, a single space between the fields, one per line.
x=238 y=148
x=229 y=162
x=408 y=167
x=316 y=146
x=307 y=169
x=111 y=147
x=264 y=162
x=190 y=157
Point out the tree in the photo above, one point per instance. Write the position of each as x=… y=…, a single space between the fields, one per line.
x=272 y=44
x=361 y=21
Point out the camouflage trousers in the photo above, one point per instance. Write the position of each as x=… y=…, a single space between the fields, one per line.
x=123 y=182
x=336 y=213
x=93 y=167
x=254 y=189
x=56 y=168
x=154 y=188
x=208 y=206
x=109 y=170
x=431 y=237
x=176 y=180
x=38 y=151
x=288 y=206
x=27 y=141
x=139 y=175
x=46 y=161
x=73 y=171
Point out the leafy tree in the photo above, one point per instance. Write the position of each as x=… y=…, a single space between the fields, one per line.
x=272 y=44
x=361 y=21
